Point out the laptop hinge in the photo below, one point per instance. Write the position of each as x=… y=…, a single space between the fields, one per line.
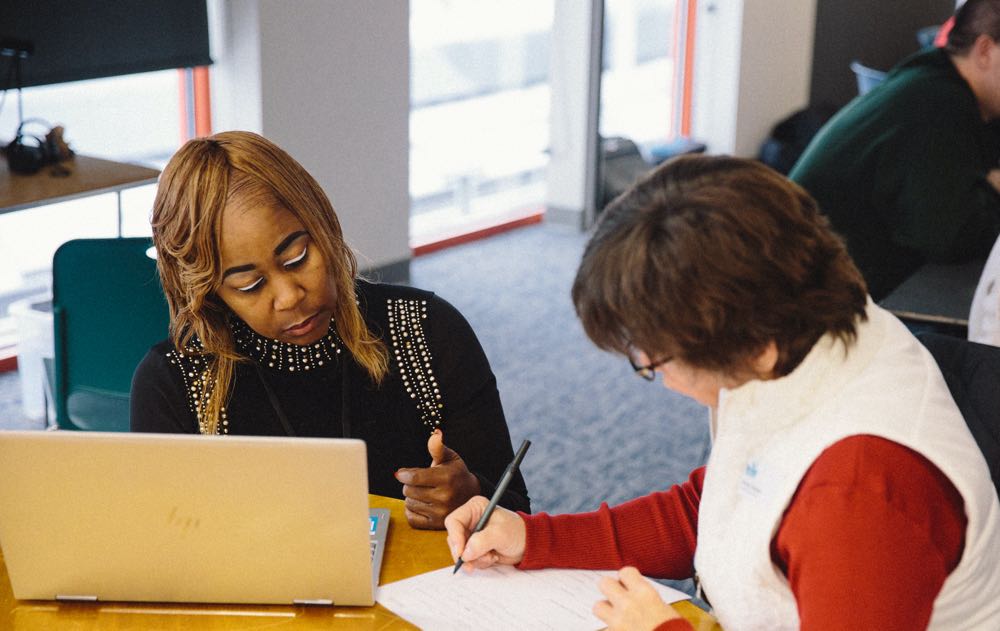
x=76 y=597
x=312 y=601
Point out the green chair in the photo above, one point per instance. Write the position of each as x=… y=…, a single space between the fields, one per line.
x=108 y=309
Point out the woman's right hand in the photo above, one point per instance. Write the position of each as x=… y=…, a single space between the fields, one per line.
x=501 y=541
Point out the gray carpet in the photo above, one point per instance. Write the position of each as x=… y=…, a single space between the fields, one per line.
x=598 y=432
x=11 y=415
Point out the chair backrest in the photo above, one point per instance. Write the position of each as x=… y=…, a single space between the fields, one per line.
x=867 y=77
x=984 y=312
x=108 y=309
x=621 y=165
x=972 y=372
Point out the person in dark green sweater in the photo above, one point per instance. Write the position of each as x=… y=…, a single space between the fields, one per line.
x=907 y=173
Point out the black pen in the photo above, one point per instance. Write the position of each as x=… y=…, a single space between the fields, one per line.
x=505 y=479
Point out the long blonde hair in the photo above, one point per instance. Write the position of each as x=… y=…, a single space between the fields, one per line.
x=197 y=184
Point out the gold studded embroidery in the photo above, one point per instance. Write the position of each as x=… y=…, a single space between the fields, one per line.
x=409 y=345
x=276 y=355
x=413 y=357
x=267 y=352
x=194 y=371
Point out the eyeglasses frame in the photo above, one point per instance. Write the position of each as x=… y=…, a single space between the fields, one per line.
x=646 y=371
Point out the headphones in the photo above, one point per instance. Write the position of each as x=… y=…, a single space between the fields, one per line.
x=27 y=153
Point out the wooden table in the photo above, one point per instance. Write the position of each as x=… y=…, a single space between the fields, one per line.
x=408 y=552
x=82 y=176
x=939 y=294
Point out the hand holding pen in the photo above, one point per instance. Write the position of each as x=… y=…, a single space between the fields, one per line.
x=481 y=534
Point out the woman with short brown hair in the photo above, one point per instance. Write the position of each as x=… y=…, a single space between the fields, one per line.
x=843 y=489
x=727 y=274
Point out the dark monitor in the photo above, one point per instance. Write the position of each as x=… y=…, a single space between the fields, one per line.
x=71 y=40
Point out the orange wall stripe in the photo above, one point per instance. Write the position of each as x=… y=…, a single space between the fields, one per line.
x=689 y=37
x=202 y=103
x=475 y=235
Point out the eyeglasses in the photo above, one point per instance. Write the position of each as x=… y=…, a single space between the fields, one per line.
x=646 y=371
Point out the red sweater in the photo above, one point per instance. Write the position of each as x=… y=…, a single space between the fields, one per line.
x=866 y=541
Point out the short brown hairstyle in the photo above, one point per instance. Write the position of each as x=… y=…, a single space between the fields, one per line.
x=710 y=258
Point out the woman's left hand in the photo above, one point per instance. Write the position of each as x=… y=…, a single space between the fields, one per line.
x=632 y=603
x=435 y=491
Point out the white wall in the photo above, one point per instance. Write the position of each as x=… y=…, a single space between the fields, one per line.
x=753 y=64
x=329 y=82
x=715 y=100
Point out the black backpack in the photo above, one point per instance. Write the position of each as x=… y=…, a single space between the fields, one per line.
x=790 y=137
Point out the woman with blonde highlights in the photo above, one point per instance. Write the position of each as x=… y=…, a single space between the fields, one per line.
x=843 y=489
x=273 y=333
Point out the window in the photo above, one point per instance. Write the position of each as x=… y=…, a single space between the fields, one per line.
x=479 y=113
x=134 y=118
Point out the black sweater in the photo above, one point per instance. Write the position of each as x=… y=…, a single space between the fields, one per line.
x=438 y=376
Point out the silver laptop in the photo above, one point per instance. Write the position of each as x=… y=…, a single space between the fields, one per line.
x=182 y=518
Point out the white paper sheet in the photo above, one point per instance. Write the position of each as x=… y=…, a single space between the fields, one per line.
x=502 y=598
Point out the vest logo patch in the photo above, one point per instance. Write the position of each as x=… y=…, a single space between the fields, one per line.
x=748 y=483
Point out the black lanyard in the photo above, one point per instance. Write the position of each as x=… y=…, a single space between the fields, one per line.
x=280 y=413
x=274 y=402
